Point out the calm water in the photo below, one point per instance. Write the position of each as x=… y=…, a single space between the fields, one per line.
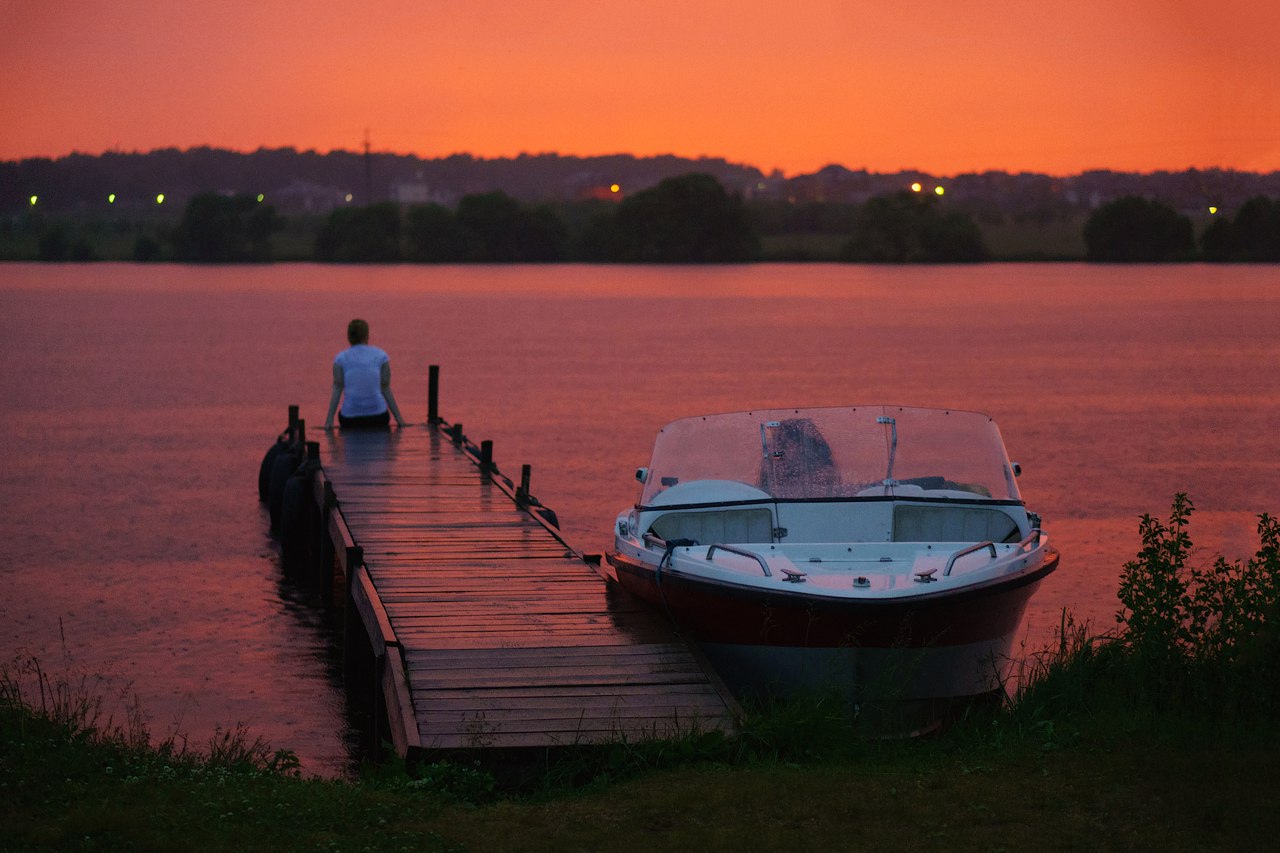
x=137 y=402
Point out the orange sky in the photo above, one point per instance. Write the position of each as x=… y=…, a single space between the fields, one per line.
x=937 y=85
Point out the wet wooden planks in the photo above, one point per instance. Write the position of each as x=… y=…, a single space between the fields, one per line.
x=506 y=637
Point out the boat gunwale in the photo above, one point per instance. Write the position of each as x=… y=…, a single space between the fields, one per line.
x=792 y=596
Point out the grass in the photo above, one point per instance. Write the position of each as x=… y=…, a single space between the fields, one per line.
x=1107 y=746
x=992 y=784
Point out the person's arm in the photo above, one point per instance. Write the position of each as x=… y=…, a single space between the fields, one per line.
x=387 y=395
x=334 y=396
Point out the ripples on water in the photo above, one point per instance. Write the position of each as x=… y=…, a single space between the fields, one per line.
x=138 y=401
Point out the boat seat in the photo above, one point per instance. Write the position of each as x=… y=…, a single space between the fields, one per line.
x=721 y=525
x=912 y=523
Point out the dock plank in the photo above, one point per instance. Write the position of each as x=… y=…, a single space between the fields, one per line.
x=503 y=636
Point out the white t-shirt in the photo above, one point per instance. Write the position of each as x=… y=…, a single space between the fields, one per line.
x=362 y=380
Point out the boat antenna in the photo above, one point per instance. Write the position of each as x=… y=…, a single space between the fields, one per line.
x=368 y=170
x=889 y=482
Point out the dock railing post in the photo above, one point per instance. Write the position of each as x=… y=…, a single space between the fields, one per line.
x=522 y=492
x=486 y=456
x=433 y=394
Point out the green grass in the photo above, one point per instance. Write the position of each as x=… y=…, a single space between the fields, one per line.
x=1148 y=783
x=1058 y=240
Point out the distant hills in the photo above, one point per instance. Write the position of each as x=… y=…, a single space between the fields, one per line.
x=301 y=182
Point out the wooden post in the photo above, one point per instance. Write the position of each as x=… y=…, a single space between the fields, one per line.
x=522 y=492
x=293 y=415
x=455 y=433
x=486 y=456
x=302 y=433
x=433 y=394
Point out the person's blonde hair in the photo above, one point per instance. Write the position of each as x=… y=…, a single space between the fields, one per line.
x=357 y=332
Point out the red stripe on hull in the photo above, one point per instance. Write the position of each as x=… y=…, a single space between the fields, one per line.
x=724 y=613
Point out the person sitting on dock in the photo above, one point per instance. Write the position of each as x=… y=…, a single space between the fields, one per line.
x=362 y=381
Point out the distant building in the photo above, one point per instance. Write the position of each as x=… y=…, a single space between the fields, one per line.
x=307 y=197
x=417 y=191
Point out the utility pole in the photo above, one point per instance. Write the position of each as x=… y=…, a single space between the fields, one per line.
x=368 y=171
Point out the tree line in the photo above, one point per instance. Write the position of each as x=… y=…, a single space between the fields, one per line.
x=684 y=219
x=1136 y=229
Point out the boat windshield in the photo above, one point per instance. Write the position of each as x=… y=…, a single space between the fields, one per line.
x=850 y=452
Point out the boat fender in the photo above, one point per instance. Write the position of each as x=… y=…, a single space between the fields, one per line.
x=282 y=468
x=264 y=470
x=294 y=520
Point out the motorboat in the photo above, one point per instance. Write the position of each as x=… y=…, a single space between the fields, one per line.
x=870 y=549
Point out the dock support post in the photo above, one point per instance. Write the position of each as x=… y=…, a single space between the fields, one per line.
x=486 y=456
x=328 y=569
x=433 y=394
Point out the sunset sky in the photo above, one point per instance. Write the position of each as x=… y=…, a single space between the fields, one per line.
x=937 y=85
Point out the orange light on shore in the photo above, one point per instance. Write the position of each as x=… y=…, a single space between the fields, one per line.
x=915 y=188
x=1213 y=209
x=614 y=188
x=938 y=190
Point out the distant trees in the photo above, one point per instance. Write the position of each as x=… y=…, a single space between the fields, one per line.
x=217 y=228
x=503 y=230
x=1136 y=229
x=685 y=219
x=433 y=235
x=1253 y=235
x=57 y=243
x=910 y=227
x=487 y=227
x=368 y=234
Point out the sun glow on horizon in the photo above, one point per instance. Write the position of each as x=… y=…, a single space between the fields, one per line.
x=794 y=101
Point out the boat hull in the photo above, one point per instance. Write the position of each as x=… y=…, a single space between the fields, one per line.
x=935 y=645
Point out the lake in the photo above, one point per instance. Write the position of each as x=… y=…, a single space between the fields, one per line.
x=138 y=401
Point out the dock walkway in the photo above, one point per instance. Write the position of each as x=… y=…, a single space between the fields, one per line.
x=491 y=632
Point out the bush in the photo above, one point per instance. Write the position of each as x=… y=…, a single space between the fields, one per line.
x=686 y=219
x=1135 y=229
x=217 y=228
x=361 y=234
x=505 y=231
x=1253 y=235
x=433 y=235
x=908 y=227
x=1204 y=631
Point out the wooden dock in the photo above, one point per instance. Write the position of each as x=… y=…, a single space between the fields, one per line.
x=484 y=628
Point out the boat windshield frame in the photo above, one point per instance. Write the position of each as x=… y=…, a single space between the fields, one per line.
x=829 y=453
